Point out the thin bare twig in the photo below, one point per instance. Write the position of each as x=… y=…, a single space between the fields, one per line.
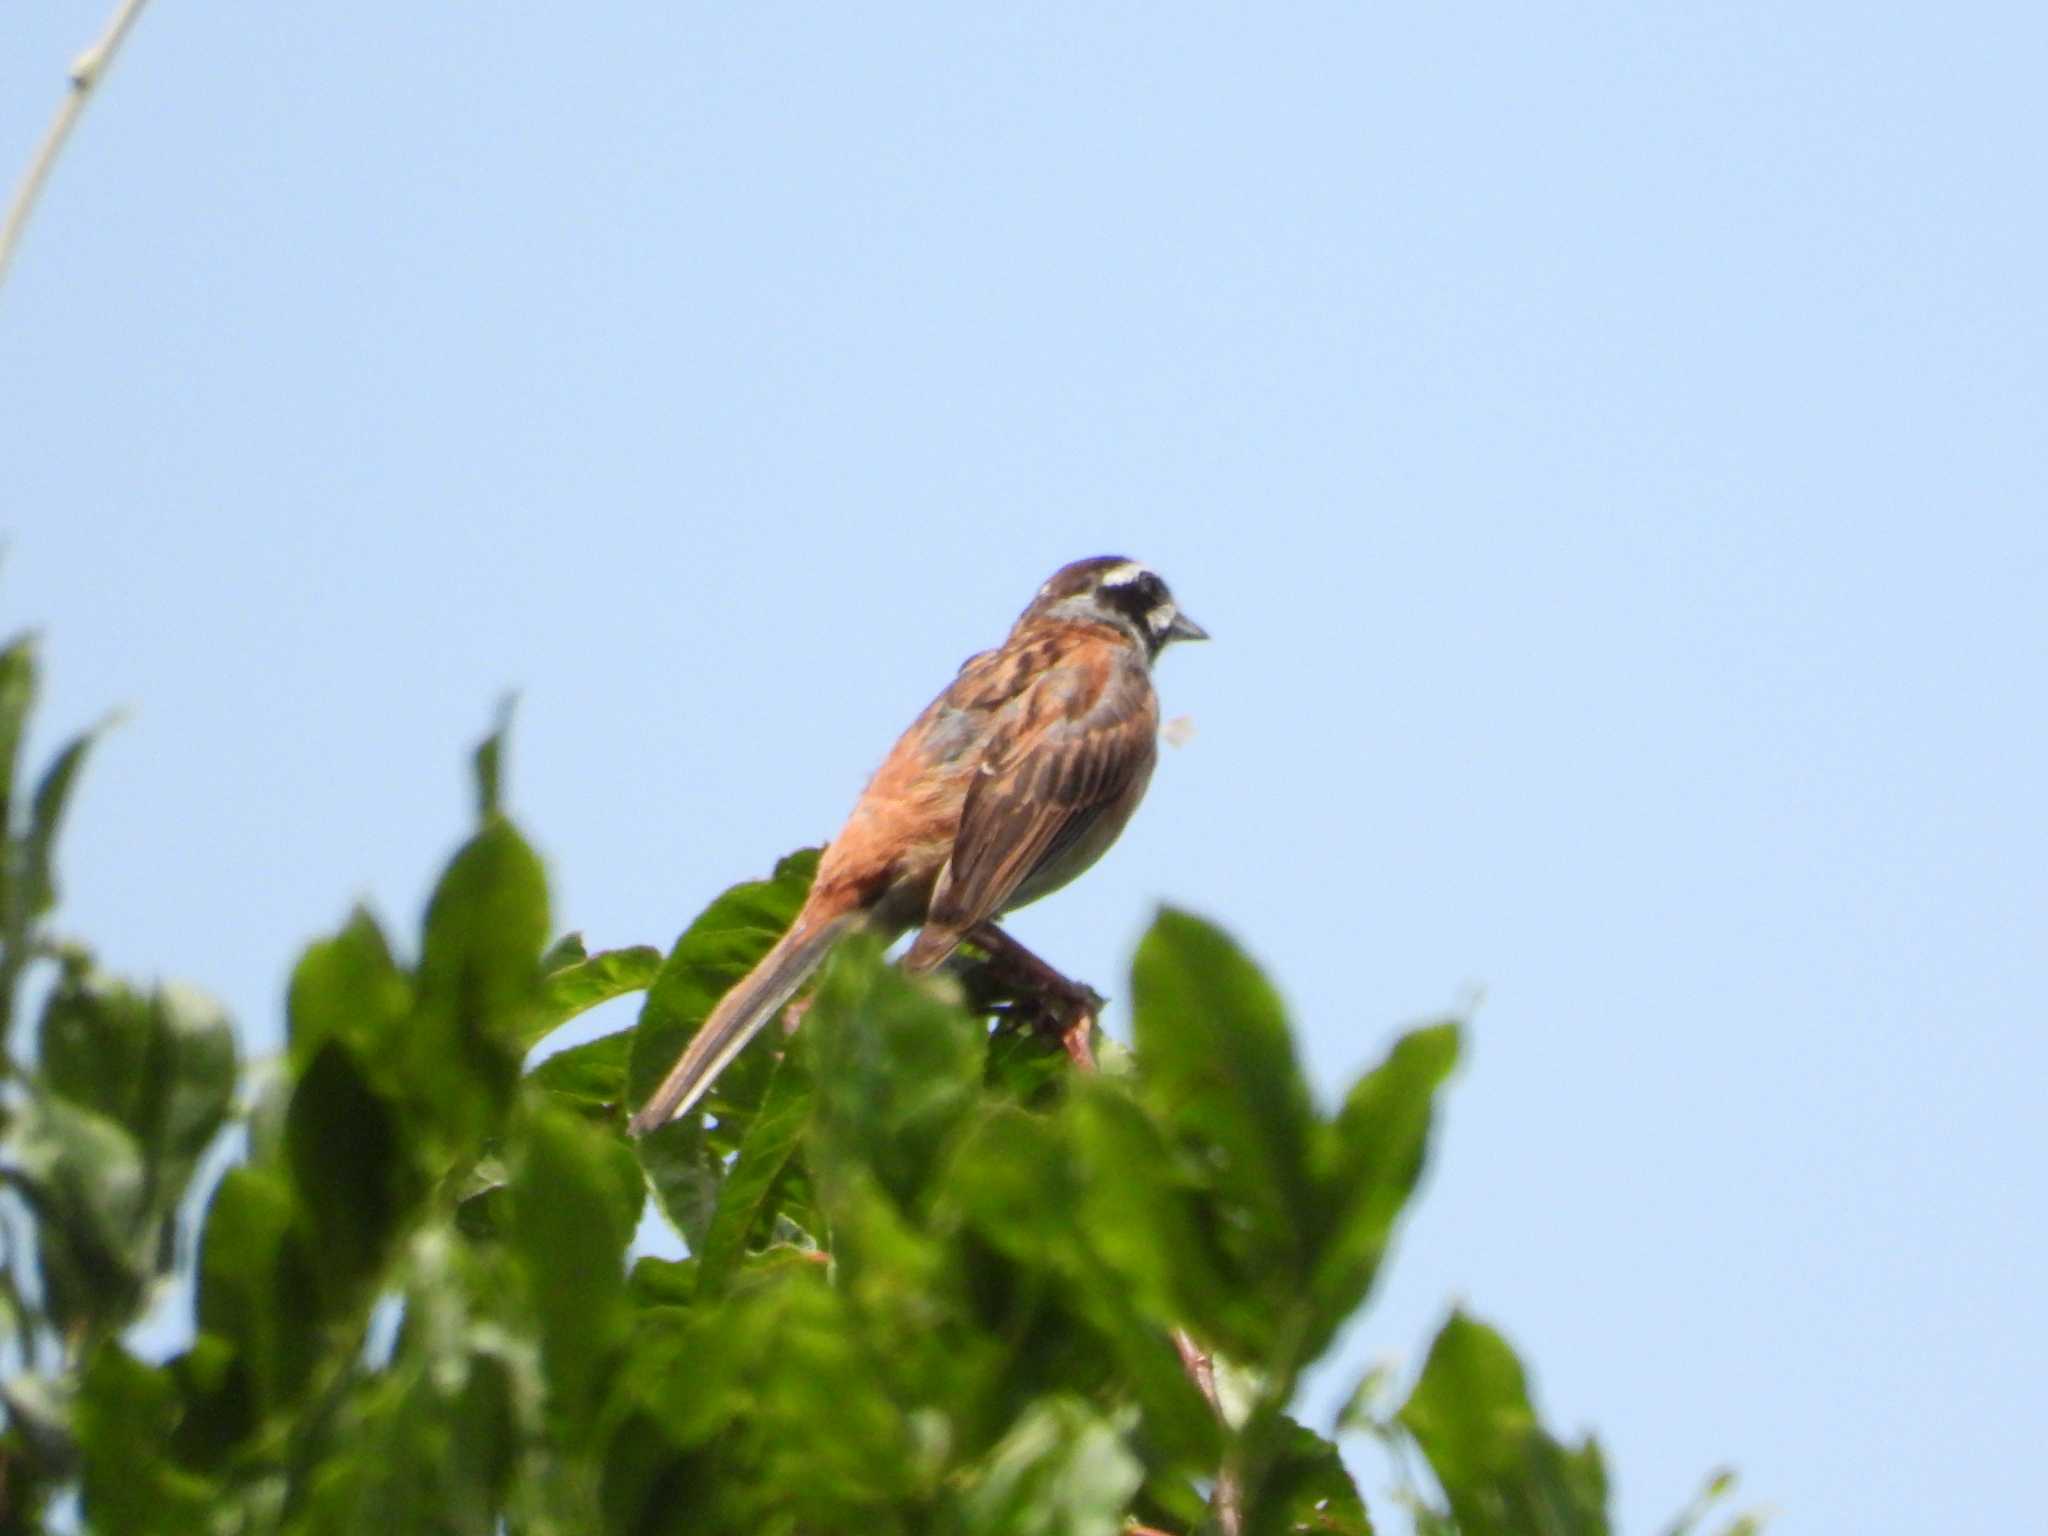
x=86 y=72
x=1228 y=1500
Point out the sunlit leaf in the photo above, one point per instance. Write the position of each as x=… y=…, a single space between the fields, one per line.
x=591 y=1073
x=1373 y=1156
x=94 y=1044
x=487 y=763
x=566 y=951
x=349 y=988
x=1503 y=1474
x=725 y=941
x=581 y=985
x=17 y=698
x=85 y=1179
x=1063 y=1470
x=479 y=980
x=37 y=892
x=657 y=1282
x=1143 y=1208
x=1218 y=1068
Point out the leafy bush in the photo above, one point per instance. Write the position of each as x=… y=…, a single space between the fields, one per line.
x=935 y=1279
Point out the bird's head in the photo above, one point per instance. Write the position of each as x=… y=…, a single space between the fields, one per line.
x=1109 y=589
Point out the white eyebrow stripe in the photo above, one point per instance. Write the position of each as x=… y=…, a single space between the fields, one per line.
x=1123 y=575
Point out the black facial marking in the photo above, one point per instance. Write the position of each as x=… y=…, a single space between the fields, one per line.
x=1137 y=598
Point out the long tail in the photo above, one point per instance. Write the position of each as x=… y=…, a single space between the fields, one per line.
x=738 y=1017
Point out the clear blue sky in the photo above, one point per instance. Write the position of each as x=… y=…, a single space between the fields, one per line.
x=1609 y=443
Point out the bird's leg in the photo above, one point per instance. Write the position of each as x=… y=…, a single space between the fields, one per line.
x=1069 y=1008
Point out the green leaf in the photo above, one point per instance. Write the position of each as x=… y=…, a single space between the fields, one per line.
x=1219 y=1071
x=1372 y=1156
x=488 y=762
x=40 y=1447
x=662 y=1282
x=796 y=1357
x=593 y=1073
x=1302 y=1485
x=161 y=1067
x=745 y=1201
x=431 y=1439
x=95 y=1043
x=197 y=1068
x=686 y=1172
x=726 y=940
x=356 y=1173
x=1717 y=1487
x=1142 y=1210
x=126 y=1412
x=85 y=1178
x=348 y=988
x=38 y=890
x=898 y=1070
x=1503 y=1474
x=259 y=1293
x=576 y=1199
x=17 y=698
x=576 y=988
x=566 y=951
x=1062 y=1470
x=1017 y=1185
x=479 y=983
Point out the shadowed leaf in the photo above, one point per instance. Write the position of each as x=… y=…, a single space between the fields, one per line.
x=126 y=1413
x=355 y=1174
x=576 y=1197
x=897 y=1069
x=745 y=1198
x=1303 y=1486
x=258 y=1290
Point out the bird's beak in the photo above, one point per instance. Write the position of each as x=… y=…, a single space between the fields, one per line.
x=1185 y=628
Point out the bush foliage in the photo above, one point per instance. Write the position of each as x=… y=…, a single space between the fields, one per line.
x=933 y=1277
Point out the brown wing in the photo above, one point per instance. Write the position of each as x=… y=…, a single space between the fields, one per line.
x=1061 y=774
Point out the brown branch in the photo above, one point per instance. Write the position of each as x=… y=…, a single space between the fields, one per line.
x=86 y=72
x=1228 y=1499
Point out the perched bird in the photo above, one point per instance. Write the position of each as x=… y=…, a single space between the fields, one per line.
x=1012 y=782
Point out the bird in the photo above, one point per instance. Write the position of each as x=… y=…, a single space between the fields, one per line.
x=1013 y=781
